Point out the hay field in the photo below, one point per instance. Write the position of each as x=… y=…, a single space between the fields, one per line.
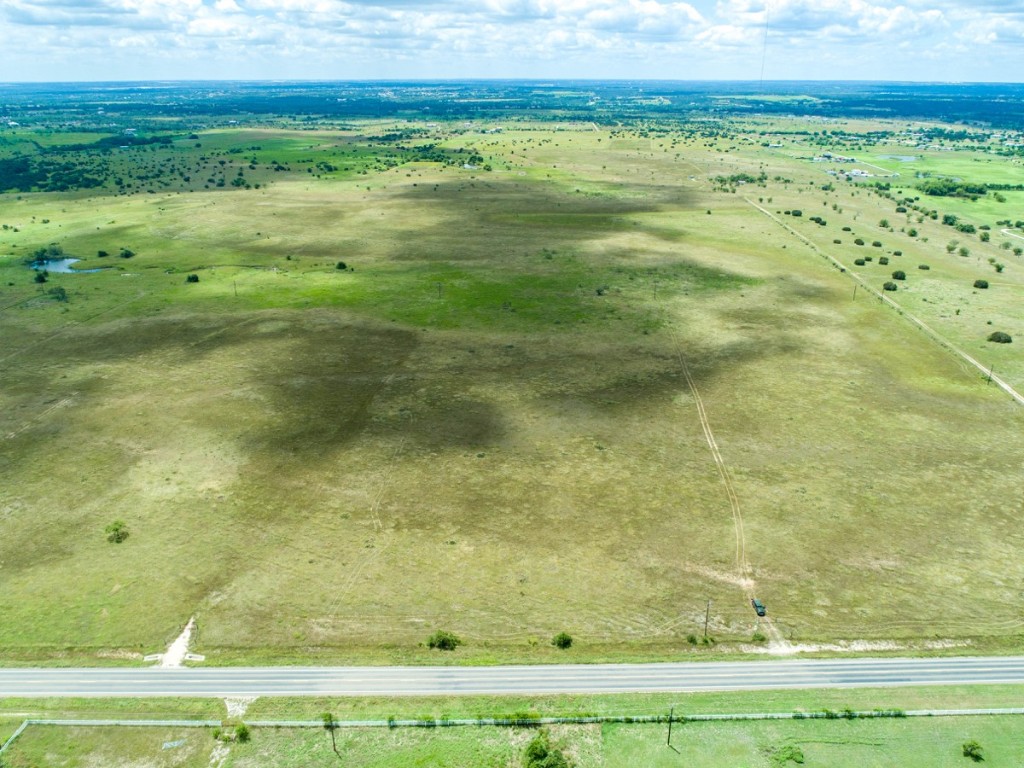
x=483 y=423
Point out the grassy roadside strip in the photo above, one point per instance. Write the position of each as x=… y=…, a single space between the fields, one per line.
x=13 y=711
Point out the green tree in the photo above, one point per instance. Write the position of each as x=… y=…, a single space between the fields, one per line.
x=965 y=251
x=116 y=532
x=443 y=641
x=562 y=640
x=973 y=750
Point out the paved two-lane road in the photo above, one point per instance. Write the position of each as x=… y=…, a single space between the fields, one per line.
x=553 y=679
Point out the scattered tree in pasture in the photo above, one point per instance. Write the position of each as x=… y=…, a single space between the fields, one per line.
x=973 y=750
x=116 y=532
x=443 y=641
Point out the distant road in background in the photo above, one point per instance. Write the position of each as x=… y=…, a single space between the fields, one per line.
x=545 y=679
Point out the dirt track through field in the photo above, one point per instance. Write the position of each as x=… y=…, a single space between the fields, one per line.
x=778 y=644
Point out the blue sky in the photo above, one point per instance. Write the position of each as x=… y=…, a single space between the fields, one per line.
x=922 y=40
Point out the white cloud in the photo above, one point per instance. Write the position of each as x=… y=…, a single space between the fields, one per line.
x=702 y=38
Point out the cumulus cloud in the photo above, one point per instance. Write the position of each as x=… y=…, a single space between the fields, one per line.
x=703 y=38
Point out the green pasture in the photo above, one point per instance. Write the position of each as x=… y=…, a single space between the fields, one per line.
x=483 y=423
x=882 y=742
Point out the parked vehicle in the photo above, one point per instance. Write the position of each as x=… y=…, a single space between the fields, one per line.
x=758 y=607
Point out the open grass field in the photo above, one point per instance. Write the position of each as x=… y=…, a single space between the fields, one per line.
x=928 y=741
x=488 y=420
x=771 y=744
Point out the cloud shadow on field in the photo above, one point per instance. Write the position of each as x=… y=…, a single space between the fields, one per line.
x=483 y=219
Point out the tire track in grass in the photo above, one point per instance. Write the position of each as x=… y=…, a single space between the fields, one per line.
x=742 y=564
x=778 y=643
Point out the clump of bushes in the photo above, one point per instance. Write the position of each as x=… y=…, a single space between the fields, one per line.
x=923 y=266
x=341 y=265
x=1000 y=337
x=876 y=243
x=981 y=283
x=883 y=260
x=897 y=253
x=116 y=532
x=192 y=278
x=540 y=753
x=889 y=286
x=562 y=640
x=859 y=262
x=973 y=750
x=443 y=641
x=858 y=241
x=899 y=274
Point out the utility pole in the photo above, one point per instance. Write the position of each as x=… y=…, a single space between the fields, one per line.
x=855 y=287
x=439 y=290
x=670 y=713
x=990 y=369
x=707 y=616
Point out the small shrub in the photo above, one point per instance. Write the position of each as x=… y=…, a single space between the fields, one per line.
x=858 y=241
x=691 y=639
x=540 y=753
x=341 y=265
x=847 y=229
x=102 y=254
x=192 y=278
x=876 y=243
x=889 y=286
x=242 y=733
x=1000 y=337
x=973 y=750
x=899 y=274
x=759 y=637
x=116 y=532
x=883 y=260
x=790 y=753
x=562 y=640
x=443 y=641
x=797 y=213
x=859 y=262
x=981 y=283
x=126 y=253
x=58 y=293
x=923 y=266
x=897 y=253
x=838 y=242
x=41 y=276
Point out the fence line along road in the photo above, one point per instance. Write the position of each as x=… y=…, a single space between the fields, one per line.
x=221 y=682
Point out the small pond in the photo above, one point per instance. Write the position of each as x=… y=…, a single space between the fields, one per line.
x=60 y=266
